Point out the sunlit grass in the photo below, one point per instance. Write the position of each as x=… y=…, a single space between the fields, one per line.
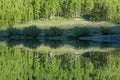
x=64 y=23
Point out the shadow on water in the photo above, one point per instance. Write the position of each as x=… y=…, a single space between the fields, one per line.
x=77 y=44
x=32 y=43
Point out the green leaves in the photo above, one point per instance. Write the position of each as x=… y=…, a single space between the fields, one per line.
x=80 y=32
x=12 y=11
x=32 y=31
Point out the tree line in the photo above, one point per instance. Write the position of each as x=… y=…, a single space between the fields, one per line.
x=20 y=11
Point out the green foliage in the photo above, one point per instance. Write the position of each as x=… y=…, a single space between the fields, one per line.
x=87 y=6
x=12 y=12
x=12 y=31
x=80 y=32
x=53 y=31
x=32 y=31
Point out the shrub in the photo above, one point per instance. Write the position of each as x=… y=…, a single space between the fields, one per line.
x=12 y=31
x=80 y=32
x=31 y=31
x=53 y=31
x=106 y=31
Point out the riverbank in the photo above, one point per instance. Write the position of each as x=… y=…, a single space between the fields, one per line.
x=63 y=23
x=66 y=27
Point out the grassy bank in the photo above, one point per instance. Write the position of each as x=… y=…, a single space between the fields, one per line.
x=62 y=27
x=63 y=23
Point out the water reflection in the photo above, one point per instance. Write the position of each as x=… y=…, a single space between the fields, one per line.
x=97 y=58
x=53 y=43
x=22 y=64
x=77 y=44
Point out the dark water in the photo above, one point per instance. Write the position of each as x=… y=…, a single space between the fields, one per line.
x=27 y=63
x=77 y=44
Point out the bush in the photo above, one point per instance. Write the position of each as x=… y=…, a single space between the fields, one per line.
x=81 y=32
x=106 y=31
x=12 y=31
x=31 y=31
x=53 y=31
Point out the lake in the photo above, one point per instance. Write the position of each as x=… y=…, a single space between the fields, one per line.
x=59 y=60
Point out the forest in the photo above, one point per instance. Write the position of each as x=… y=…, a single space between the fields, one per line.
x=21 y=11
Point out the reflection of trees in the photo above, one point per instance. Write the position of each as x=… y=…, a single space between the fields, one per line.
x=53 y=43
x=17 y=64
x=31 y=43
x=12 y=43
x=99 y=59
x=81 y=44
x=106 y=45
x=34 y=43
x=77 y=44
